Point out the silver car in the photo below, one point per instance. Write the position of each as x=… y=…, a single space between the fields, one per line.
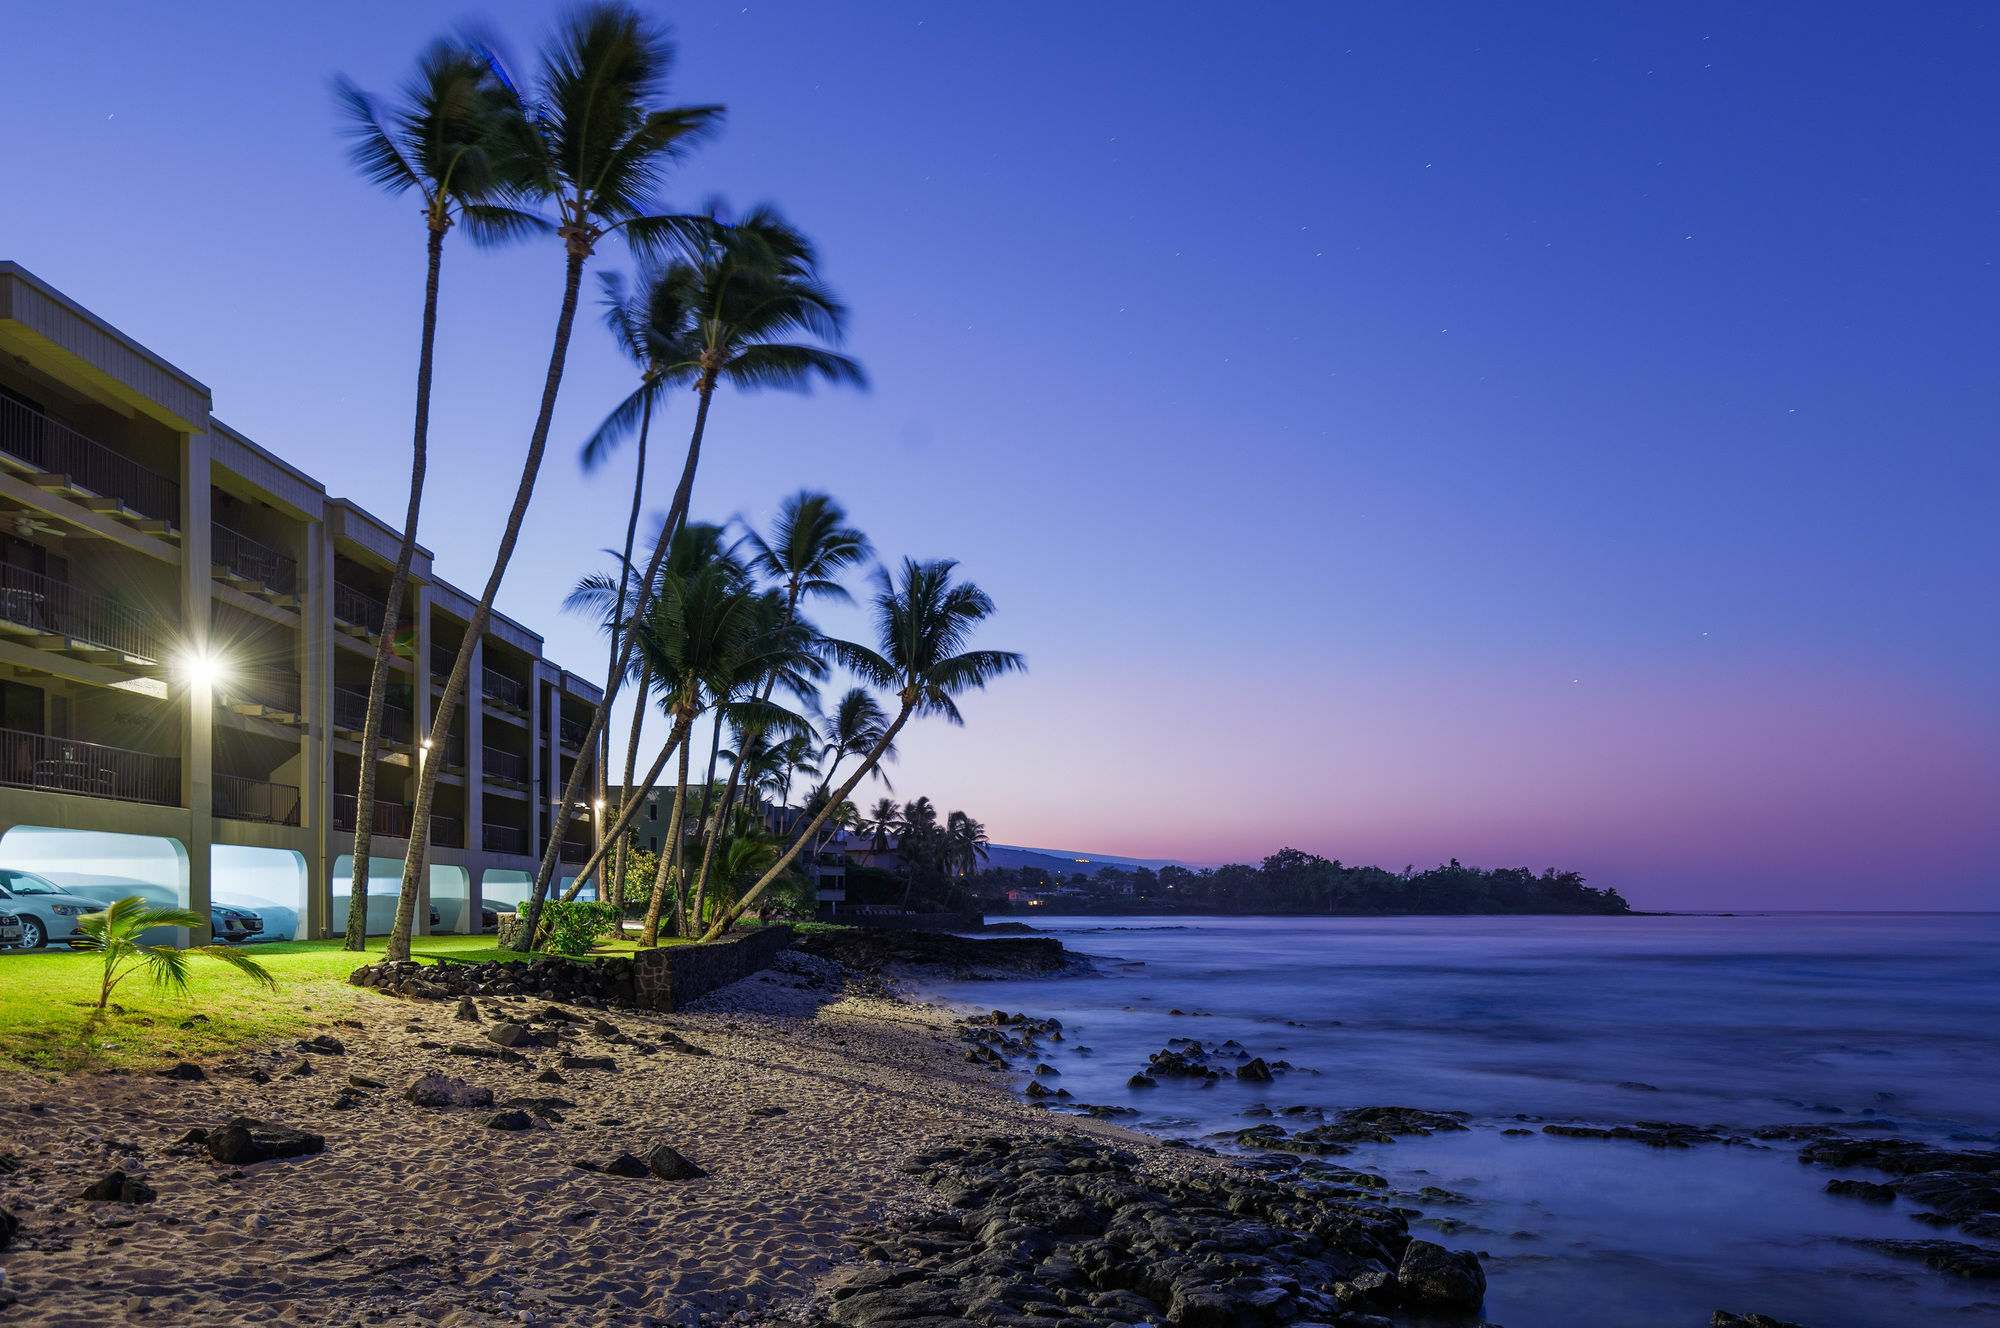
x=10 y=931
x=46 y=910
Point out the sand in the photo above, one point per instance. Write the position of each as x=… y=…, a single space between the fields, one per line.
x=426 y=1216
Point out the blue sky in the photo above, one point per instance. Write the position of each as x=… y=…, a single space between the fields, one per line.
x=1554 y=437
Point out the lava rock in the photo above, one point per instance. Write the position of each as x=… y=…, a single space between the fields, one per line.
x=121 y=1188
x=437 y=1090
x=1861 y=1189
x=1448 y=1279
x=244 y=1141
x=186 y=1071
x=1724 y=1319
x=512 y=1035
x=325 y=1045
x=509 y=1120
x=627 y=1166
x=665 y=1163
x=1142 y=1081
x=550 y=1077
x=466 y=1010
x=363 y=1081
x=1254 y=1071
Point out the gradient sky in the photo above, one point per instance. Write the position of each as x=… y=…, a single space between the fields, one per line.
x=1402 y=432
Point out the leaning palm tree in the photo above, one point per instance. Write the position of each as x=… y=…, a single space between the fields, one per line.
x=654 y=327
x=115 y=936
x=965 y=844
x=594 y=148
x=854 y=725
x=923 y=623
x=756 y=285
x=438 y=143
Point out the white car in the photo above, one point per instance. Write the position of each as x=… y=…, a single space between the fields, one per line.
x=46 y=910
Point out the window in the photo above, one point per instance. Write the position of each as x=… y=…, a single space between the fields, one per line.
x=652 y=810
x=652 y=843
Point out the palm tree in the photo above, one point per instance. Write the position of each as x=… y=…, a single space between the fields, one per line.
x=923 y=623
x=755 y=283
x=594 y=148
x=964 y=844
x=917 y=841
x=855 y=724
x=653 y=326
x=810 y=545
x=438 y=143
x=880 y=823
x=114 y=934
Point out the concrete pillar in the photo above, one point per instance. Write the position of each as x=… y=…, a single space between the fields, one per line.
x=539 y=792
x=419 y=619
x=475 y=752
x=198 y=748
x=316 y=711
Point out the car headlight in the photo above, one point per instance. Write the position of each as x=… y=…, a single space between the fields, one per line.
x=68 y=910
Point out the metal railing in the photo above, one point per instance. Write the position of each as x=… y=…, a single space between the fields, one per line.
x=442 y=658
x=52 y=448
x=505 y=839
x=571 y=851
x=66 y=765
x=273 y=691
x=389 y=818
x=447 y=831
x=572 y=732
x=242 y=799
x=44 y=604
x=253 y=560
x=350 y=711
x=499 y=764
x=503 y=690
x=351 y=604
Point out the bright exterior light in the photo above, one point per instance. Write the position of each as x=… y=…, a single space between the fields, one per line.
x=201 y=668
x=599 y=804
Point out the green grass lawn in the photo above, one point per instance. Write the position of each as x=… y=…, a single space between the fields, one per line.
x=47 y=999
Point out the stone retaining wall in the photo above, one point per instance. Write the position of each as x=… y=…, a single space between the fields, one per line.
x=662 y=979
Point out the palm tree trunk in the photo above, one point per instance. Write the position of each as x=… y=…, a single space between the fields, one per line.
x=707 y=801
x=777 y=868
x=461 y=669
x=378 y=678
x=676 y=514
x=625 y=818
x=618 y=626
x=651 y=935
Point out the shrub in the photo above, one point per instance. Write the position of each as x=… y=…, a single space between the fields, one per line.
x=572 y=928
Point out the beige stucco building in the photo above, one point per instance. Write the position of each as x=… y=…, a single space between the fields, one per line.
x=187 y=625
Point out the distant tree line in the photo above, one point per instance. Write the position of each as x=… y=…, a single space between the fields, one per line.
x=1294 y=882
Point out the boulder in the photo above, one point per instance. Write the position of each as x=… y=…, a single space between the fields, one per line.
x=1860 y=1189
x=244 y=1141
x=1142 y=1081
x=627 y=1166
x=466 y=1010
x=1447 y=1279
x=665 y=1163
x=512 y=1035
x=1724 y=1319
x=324 y=1045
x=120 y=1188
x=363 y=1081
x=509 y=1120
x=186 y=1071
x=1254 y=1071
x=437 y=1090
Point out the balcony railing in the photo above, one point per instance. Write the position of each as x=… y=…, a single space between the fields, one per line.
x=390 y=818
x=272 y=691
x=253 y=560
x=505 y=839
x=65 y=765
x=43 y=604
x=353 y=605
x=242 y=799
x=498 y=764
x=52 y=448
x=503 y=690
x=447 y=831
x=350 y=711
x=572 y=732
x=572 y=851
x=442 y=658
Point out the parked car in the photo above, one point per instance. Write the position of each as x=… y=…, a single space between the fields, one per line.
x=228 y=923
x=10 y=931
x=46 y=910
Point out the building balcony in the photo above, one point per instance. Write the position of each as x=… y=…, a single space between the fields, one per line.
x=447 y=831
x=274 y=697
x=503 y=765
x=572 y=732
x=505 y=839
x=503 y=691
x=66 y=765
x=252 y=566
x=350 y=717
x=441 y=661
x=356 y=612
x=73 y=621
x=390 y=818
x=572 y=851
x=58 y=459
x=241 y=799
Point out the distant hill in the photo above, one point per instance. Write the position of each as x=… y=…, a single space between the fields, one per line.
x=1066 y=862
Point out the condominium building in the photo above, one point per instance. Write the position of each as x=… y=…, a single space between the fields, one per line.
x=187 y=627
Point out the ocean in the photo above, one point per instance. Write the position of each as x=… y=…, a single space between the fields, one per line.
x=1878 y=1023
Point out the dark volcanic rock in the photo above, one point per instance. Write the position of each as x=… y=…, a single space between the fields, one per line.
x=1008 y=956
x=1862 y=1189
x=509 y=1120
x=627 y=1166
x=119 y=1188
x=9 y=1224
x=665 y=1163
x=1724 y=1319
x=244 y=1141
x=324 y=1045
x=466 y=1010
x=1255 y=1071
x=186 y=1072
x=512 y=1035
x=437 y=1090
x=1448 y=1279
x=1947 y=1256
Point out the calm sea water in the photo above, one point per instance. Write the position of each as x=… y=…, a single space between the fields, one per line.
x=1735 y=1021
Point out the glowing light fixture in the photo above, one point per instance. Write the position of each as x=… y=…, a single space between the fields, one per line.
x=202 y=669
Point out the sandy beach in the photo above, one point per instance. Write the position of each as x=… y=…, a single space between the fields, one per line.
x=818 y=1083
